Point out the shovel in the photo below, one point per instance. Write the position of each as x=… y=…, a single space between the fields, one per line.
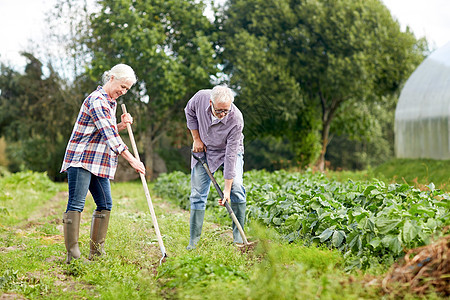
x=147 y=193
x=202 y=160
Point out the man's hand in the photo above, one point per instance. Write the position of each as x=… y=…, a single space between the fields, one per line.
x=226 y=197
x=221 y=202
x=198 y=146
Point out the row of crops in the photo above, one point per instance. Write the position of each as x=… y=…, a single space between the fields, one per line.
x=370 y=222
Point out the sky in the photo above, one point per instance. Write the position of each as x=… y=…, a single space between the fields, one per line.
x=24 y=20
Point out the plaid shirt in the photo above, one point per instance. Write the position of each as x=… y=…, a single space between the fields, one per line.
x=95 y=142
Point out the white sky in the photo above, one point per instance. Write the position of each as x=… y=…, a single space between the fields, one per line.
x=22 y=20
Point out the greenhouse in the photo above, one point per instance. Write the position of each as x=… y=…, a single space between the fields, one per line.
x=422 y=119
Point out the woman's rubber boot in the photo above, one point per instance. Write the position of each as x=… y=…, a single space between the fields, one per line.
x=99 y=228
x=239 y=211
x=195 y=224
x=71 y=224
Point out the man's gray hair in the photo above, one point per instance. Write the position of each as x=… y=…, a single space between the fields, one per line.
x=120 y=71
x=222 y=94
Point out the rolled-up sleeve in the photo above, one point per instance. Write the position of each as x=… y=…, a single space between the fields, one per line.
x=231 y=152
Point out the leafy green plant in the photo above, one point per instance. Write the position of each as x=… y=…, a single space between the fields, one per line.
x=370 y=222
x=176 y=187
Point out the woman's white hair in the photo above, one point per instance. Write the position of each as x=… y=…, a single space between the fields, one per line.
x=222 y=94
x=120 y=71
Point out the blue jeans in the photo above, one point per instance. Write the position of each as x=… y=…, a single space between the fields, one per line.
x=80 y=181
x=200 y=184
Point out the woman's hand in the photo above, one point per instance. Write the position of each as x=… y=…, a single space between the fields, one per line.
x=126 y=118
x=138 y=166
x=133 y=161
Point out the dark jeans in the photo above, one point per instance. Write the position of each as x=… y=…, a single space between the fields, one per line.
x=80 y=181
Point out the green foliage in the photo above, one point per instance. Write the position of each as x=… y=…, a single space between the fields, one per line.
x=28 y=286
x=171 y=52
x=298 y=65
x=75 y=269
x=35 y=187
x=32 y=264
x=174 y=160
x=415 y=172
x=351 y=150
x=176 y=186
x=370 y=222
x=269 y=153
x=35 y=118
x=190 y=271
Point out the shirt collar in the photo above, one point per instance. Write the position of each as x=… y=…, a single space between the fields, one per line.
x=216 y=120
x=102 y=91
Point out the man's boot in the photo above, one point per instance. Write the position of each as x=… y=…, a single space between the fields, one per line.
x=71 y=224
x=195 y=224
x=99 y=227
x=239 y=211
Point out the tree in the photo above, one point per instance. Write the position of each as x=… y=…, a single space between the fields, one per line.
x=168 y=44
x=68 y=23
x=316 y=59
x=352 y=150
x=36 y=117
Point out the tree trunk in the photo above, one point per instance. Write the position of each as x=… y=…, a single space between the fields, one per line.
x=327 y=116
x=325 y=134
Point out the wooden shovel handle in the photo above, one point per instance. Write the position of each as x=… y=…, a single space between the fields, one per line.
x=130 y=133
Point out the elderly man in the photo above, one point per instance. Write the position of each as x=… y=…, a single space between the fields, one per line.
x=216 y=126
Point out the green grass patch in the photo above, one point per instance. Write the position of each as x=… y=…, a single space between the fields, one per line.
x=32 y=254
x=415 y=172
x=22 y=193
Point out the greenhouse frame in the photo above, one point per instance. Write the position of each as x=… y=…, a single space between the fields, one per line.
x=422 y=115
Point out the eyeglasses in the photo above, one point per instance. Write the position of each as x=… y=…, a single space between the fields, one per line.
x=220 y=111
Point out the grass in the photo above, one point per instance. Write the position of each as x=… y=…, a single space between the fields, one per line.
x=32 y=254
x=416 y=172
x=21 y=195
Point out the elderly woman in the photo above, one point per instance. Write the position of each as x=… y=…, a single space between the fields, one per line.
x=91 y=159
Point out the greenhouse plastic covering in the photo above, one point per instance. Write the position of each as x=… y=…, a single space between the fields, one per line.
x=422 y=115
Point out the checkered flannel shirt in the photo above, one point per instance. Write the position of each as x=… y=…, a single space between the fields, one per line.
x=95 y=142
